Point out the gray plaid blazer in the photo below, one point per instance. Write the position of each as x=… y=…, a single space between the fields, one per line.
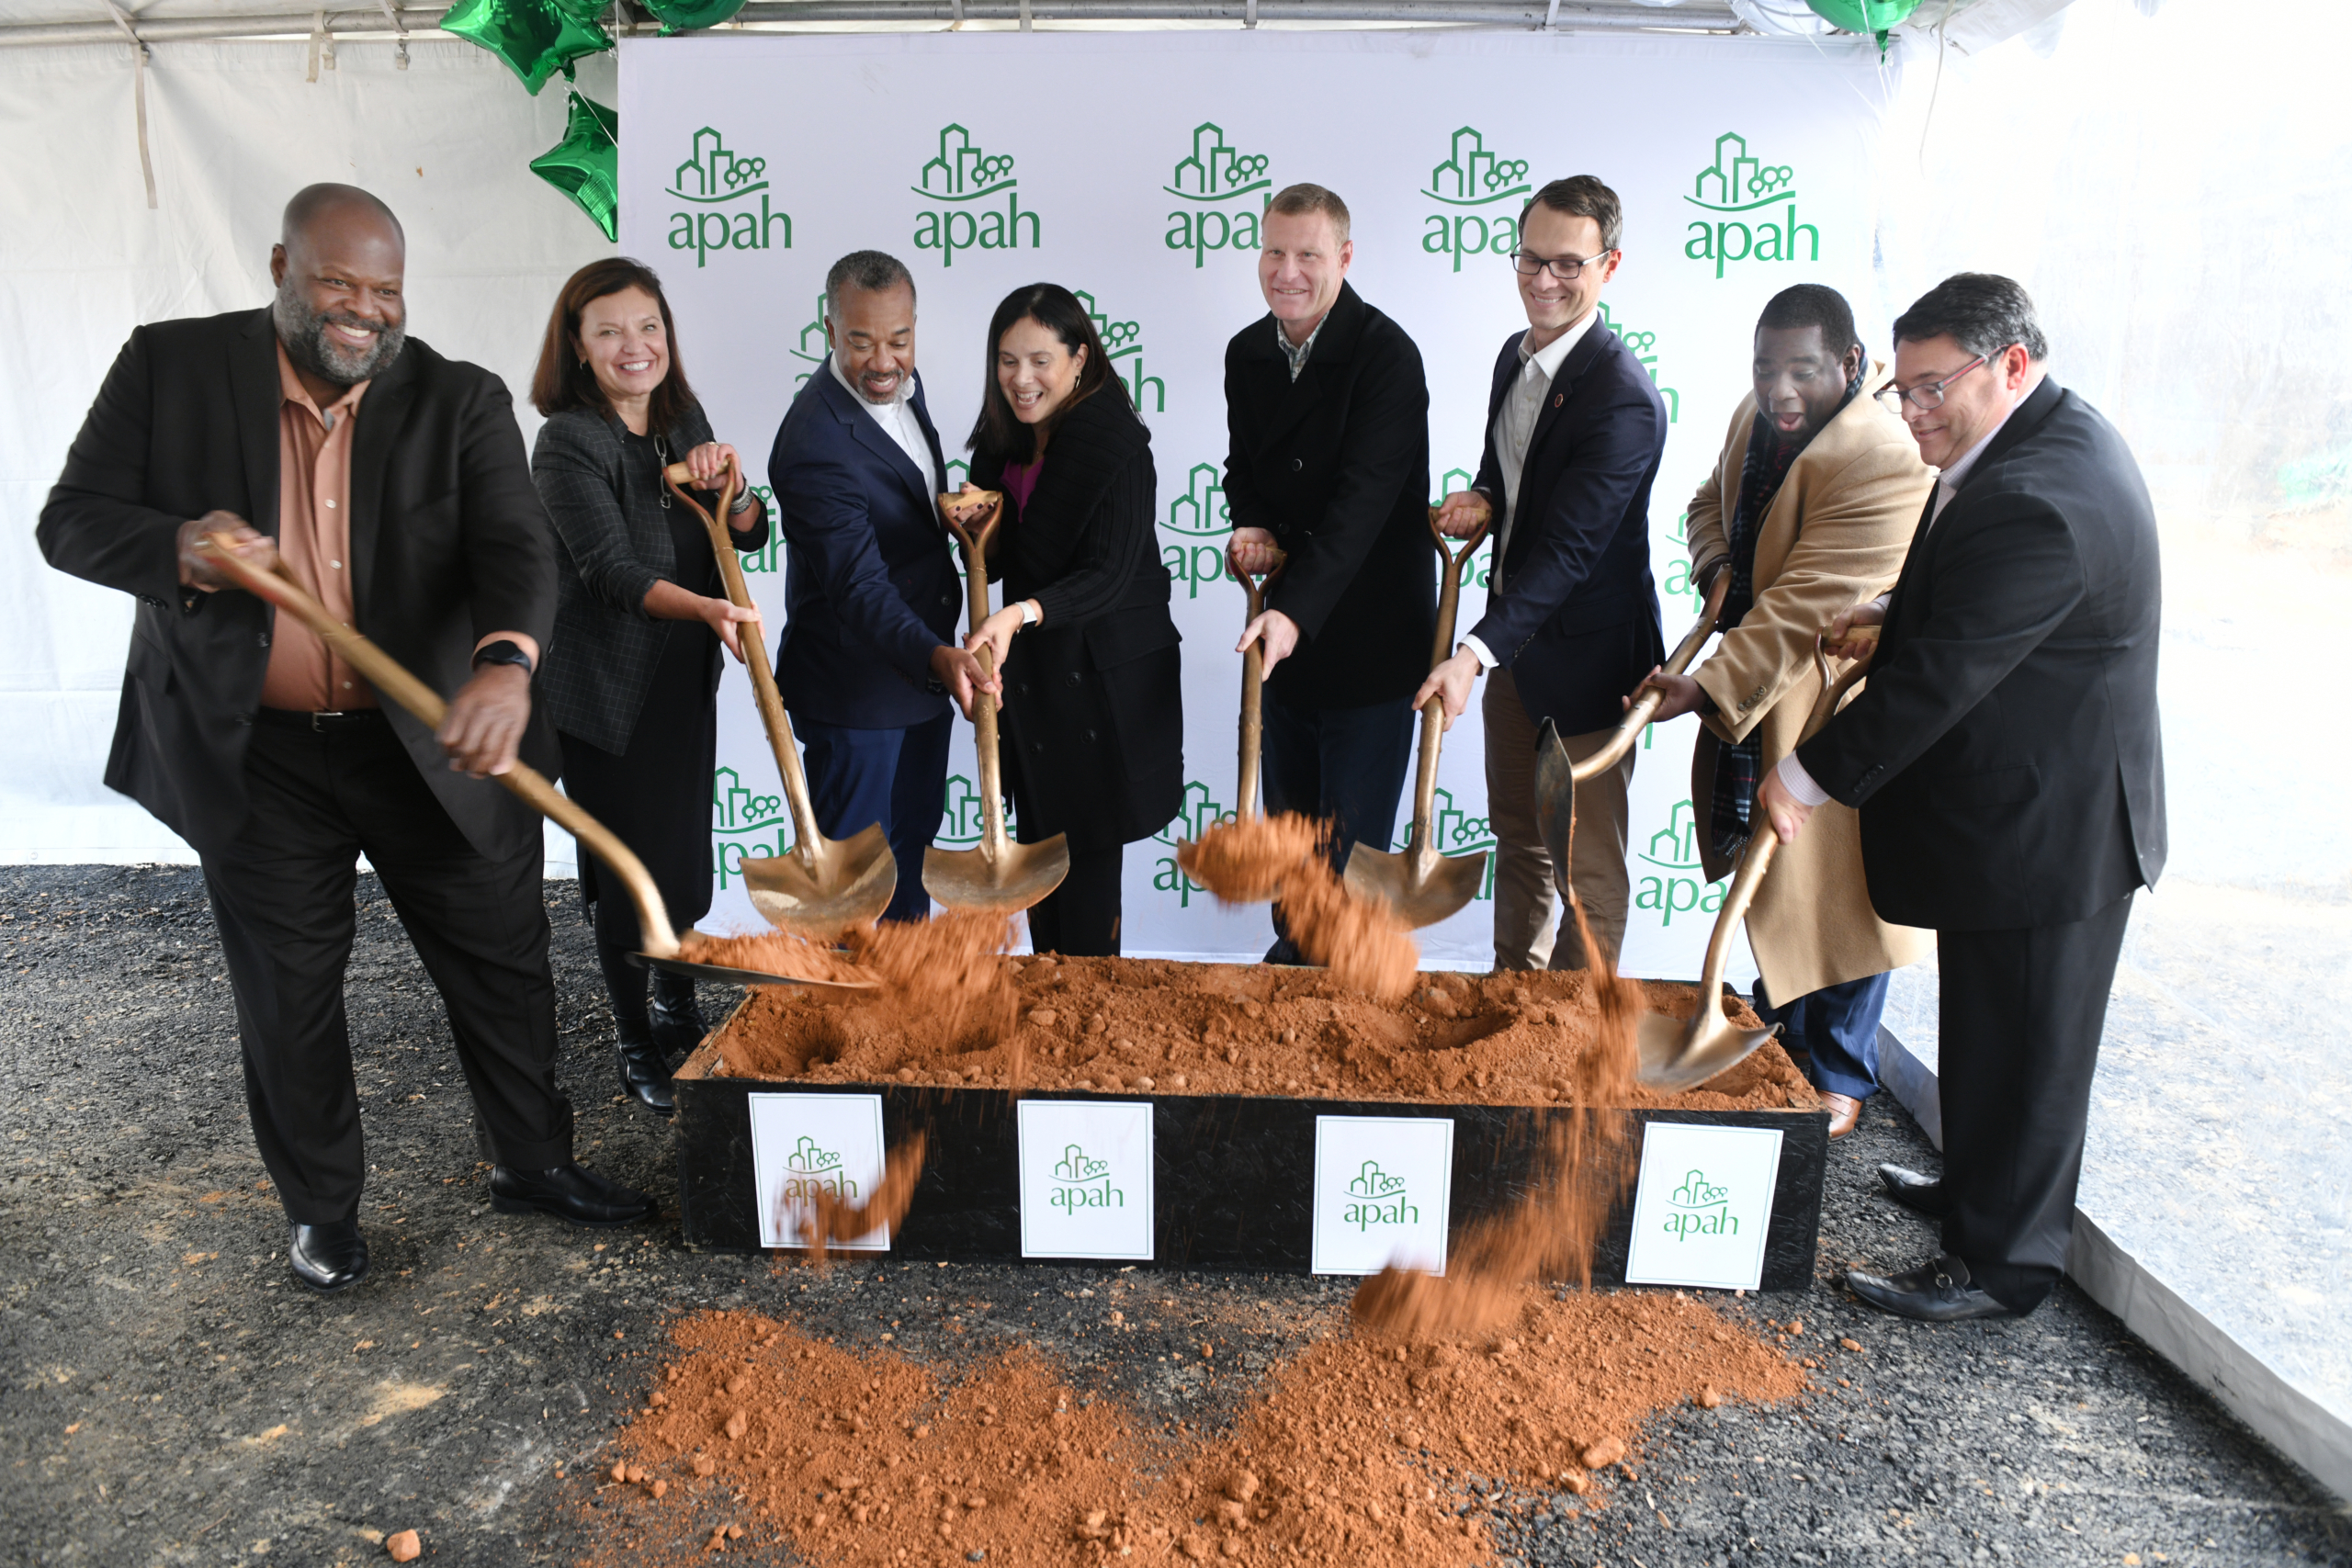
x=607 y=511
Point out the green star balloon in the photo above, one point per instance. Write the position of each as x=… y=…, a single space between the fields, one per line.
x=536 y=37
x=680 y=16
x=585 y=165
x=1864 y=16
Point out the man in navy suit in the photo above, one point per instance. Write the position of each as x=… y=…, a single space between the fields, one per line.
x=1575 y=429
x=868 y=657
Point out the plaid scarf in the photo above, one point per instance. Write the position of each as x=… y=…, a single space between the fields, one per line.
x=1739 y=766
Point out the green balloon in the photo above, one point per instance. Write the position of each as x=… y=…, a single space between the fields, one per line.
x=536 y=37
x=585 y=165
x=1864 y=16
x=682 y=16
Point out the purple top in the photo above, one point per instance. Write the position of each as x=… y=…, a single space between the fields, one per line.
x=1021 y=480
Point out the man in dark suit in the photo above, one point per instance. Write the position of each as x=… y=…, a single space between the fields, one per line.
x=2007 y=765
x=1327 y=413
x=391 y=483
x=868 y=657
x=1575 y=430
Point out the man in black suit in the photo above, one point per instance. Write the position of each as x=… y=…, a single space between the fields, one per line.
x=1575 y=430
x=2007 y=765
x=391 y=483
x=868 y=656
x=1327 y=413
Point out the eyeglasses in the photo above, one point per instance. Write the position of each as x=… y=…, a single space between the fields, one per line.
x=1568 y=270
x=1929 y=396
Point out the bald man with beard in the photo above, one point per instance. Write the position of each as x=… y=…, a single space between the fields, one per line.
x=392 y=483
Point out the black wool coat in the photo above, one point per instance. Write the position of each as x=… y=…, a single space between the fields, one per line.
x=1094 y=709
x=1335 y=466
x=449 y=542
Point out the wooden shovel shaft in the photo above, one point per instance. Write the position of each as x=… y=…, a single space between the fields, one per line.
x=1254 y=727
x=984 y=725
x=1421 y=847
x=1644 y=708
x=385 y=674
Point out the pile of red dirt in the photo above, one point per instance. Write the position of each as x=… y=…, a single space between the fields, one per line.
x=1354 y=1452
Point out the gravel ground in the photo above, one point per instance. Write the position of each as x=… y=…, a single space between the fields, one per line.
x=171 y=1396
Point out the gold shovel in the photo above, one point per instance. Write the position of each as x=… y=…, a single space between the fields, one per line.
x=822 y=887
x=1679 y=1054
x=1420 y=886
x=424 y=704
x=999 y=876
x=1253 y=681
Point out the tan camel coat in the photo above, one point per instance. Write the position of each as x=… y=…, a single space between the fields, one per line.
x=1835 y=535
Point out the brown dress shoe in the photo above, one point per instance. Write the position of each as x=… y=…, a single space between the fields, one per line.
x=1844 y=1112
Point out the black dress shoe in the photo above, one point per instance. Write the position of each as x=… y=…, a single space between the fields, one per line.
x=569 y=1191
x=645 y=1075
x=677 y=1021
x=1913 y=1190
x=1285 y=951
x=329 y=1258
x=1936 y=1292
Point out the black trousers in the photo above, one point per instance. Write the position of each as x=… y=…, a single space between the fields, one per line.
x=1080 y=917
x=2021 y=1014
x=1344 y=765
x=282 y=897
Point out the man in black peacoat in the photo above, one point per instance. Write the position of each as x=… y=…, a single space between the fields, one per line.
x=2007 y=762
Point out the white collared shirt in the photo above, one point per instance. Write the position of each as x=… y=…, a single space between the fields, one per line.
x=897 y=421
x=1522 y=405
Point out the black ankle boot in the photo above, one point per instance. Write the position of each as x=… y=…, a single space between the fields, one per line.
x=677 y=1022
x=645 y=1077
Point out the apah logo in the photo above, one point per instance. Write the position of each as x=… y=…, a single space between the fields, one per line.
x=1081 y=1181
x=1201 y=811
x=1123 y=341
x=1376 y=1198
x=1198 y=515
x=1211 y=177
x=963 y=177
x=1643 y=346
x=811 y=1170
x=1736 y=184
x=1677 y=886
x=1457 y=834
x=715 y=179
x=961 y=817
x=1699 y=1208
x=1679 y=583
x=743 y=823
x=1475 y=178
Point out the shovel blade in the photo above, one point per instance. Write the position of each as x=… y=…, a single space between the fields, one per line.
x=1446 y=885
x=1556 y=804
x=1012 y=880
x=1679 y=1054
x=852 y=883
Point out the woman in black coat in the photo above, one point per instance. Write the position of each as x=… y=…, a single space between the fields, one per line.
x=1094 y=710
x=640 y=616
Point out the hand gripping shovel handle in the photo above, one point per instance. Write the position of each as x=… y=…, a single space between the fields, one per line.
x=391 y=679
x=1449 y=606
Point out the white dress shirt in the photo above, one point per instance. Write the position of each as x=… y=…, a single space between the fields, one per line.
x=1794 y=778
x=1514 y=428
x=897 y=421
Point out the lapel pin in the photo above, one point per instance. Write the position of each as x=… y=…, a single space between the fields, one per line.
x=1559 y=398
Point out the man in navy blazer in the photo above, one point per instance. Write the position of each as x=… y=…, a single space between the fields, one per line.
x=868 y=656
x=1575 y=430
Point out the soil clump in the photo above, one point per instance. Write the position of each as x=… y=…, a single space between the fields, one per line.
x=1253 y=858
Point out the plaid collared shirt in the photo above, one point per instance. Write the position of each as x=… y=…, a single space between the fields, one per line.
x=1297 y=353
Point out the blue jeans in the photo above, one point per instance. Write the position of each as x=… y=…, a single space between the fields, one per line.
x=1344 y=764
x=1838 y=1025
x=896 y=777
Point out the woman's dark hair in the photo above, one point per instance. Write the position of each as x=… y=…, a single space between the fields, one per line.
x=562 y=382
x=1056 y=309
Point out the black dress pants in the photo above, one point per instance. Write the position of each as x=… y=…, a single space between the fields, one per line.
x=282 y=898
x=1080 y=917
x=2021 y=1014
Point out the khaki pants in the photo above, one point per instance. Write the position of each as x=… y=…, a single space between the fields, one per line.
x=1524 y=934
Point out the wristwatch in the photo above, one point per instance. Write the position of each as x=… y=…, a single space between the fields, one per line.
x=505 y=650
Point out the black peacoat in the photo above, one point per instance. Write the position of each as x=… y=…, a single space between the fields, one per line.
x=1094 y=709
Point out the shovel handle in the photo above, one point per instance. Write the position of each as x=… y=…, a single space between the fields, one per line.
x=755 y=658
x=389 y=679
x=984 y=725
x=1449 y=594
x=1645 y=707
x=1253 y=679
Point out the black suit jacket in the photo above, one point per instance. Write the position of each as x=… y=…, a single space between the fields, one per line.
x=1571 y=611
x=2005 y=753
x=869 y=584
x=448 y=542
x=1335 y=466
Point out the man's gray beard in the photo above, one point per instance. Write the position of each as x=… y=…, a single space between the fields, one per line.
x=303 y=331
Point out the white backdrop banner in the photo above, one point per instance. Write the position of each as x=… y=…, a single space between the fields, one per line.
x=1135 y=170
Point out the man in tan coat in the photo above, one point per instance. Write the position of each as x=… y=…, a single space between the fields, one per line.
x=1811 y=509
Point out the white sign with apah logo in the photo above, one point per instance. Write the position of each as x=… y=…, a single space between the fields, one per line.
x=1382 y=1186
x=1702 y=1206
x=1085 y=1178
x=806 y=1144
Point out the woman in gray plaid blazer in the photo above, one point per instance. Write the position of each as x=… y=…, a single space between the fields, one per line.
x=640 y=616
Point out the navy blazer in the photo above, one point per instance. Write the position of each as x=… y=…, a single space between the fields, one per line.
x=1571 y=611
x=869 y=585
x=2005 y=753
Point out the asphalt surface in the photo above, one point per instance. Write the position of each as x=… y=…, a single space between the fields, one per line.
x=172 y=1397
